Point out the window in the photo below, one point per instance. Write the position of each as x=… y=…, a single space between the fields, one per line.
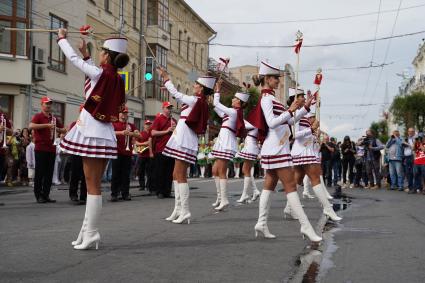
x=90 y=48
x=56 y=57
x=14 y=14
x=135 y=14
x=194 y=54
x=137 y=123
x=187 y=48
x=202 y=57
x=180 y=41
x=163 y=14
x=133 y=78
x=6 y=105
x=152 y=13
x=58 y=109
x=161 y=55
x=108 y=6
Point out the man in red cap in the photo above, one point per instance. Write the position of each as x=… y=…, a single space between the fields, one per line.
x=45 y=126
x=121 y=167
x=144 y=144
x=162 y=129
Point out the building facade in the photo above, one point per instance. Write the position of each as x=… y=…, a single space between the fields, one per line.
x=32 y=64
x=244 y=74
x=179 y=38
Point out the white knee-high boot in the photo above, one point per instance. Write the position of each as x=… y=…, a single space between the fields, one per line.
x=224 y=201
x=202 y=171
x=255 y=192
x=245 y=196
x=91 y=235
x=217 y=186
x=83 y=228
x=327 y=207
x=261 y=227
x=177 y=203
x=322 y=182
x=237 y=171
x=306 y=228
x=185 y=214
x=307 y=186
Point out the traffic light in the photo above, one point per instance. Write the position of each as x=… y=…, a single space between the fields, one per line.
x=149 y=68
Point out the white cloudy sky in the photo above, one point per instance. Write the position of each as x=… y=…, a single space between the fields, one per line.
x=341 y=89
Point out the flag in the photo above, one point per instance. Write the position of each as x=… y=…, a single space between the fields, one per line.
x=298 y=44
x=318 y=79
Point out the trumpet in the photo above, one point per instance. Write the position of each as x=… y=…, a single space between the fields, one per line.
x=4 y=134
x=141 y=148
x=127 y=138
x=54 y=130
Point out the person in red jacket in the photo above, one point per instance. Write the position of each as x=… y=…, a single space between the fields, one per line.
x=144 y=149
x=45 y=126
x=162 y=129
x=121 y=167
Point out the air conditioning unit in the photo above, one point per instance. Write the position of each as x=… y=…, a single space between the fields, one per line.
x=38 y=73
x=38 y=55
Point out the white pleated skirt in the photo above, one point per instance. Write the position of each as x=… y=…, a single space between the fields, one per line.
x=77 y=144
x=307 y=156
x=174 y=150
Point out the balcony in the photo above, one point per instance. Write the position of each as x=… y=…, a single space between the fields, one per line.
x=156 y=35
x=15 y=71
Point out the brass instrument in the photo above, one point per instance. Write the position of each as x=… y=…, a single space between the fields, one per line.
x=127 y=138
x=54 y=130
x=141 y=148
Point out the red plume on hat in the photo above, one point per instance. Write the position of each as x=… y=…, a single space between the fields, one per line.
x=85 y=29
x=246 y=85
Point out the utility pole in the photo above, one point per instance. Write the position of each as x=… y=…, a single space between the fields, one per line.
x=142 y=56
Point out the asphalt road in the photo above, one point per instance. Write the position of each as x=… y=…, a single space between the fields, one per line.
x=379 y=240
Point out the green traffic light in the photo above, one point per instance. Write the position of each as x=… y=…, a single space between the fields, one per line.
x=148 y=76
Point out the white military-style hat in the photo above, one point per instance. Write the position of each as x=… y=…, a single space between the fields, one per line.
x=292 y=91
x=207 y=81
x=242 y=96
x=268 y=70
x=117 y=44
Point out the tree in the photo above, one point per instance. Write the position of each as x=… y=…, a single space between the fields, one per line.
x=227 y=101
x=409 y=110
x=380 y=129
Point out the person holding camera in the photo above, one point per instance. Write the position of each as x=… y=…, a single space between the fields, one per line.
x=373 y=147
x=394 y=149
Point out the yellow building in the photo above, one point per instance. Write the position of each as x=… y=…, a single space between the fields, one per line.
x=244 y=74
x=179 y=37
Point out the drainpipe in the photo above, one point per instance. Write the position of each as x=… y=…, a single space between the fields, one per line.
x=29 y=88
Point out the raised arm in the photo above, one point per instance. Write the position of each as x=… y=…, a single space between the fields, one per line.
x=298 y=115
x=180 y=97
x=271 y=119
x=87 y=68
x=219 y=113
x=217 y=104
x=303 y=133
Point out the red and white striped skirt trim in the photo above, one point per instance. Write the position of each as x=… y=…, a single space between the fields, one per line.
x=228 y=155
x=77 y=144
x=276 y=161
x=301 y=160
x=183 y=154
x=247 y=156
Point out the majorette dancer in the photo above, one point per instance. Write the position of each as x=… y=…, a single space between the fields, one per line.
x=226 y=146
x=93 y=137
x=183 y=144
x=272 y=120
x=249 y=154
x=304 y=157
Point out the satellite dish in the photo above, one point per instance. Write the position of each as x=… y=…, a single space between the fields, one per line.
x=192 y=76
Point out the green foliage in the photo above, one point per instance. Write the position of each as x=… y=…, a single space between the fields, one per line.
x=226 y=100
x=409 y=110
x=380 y=128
